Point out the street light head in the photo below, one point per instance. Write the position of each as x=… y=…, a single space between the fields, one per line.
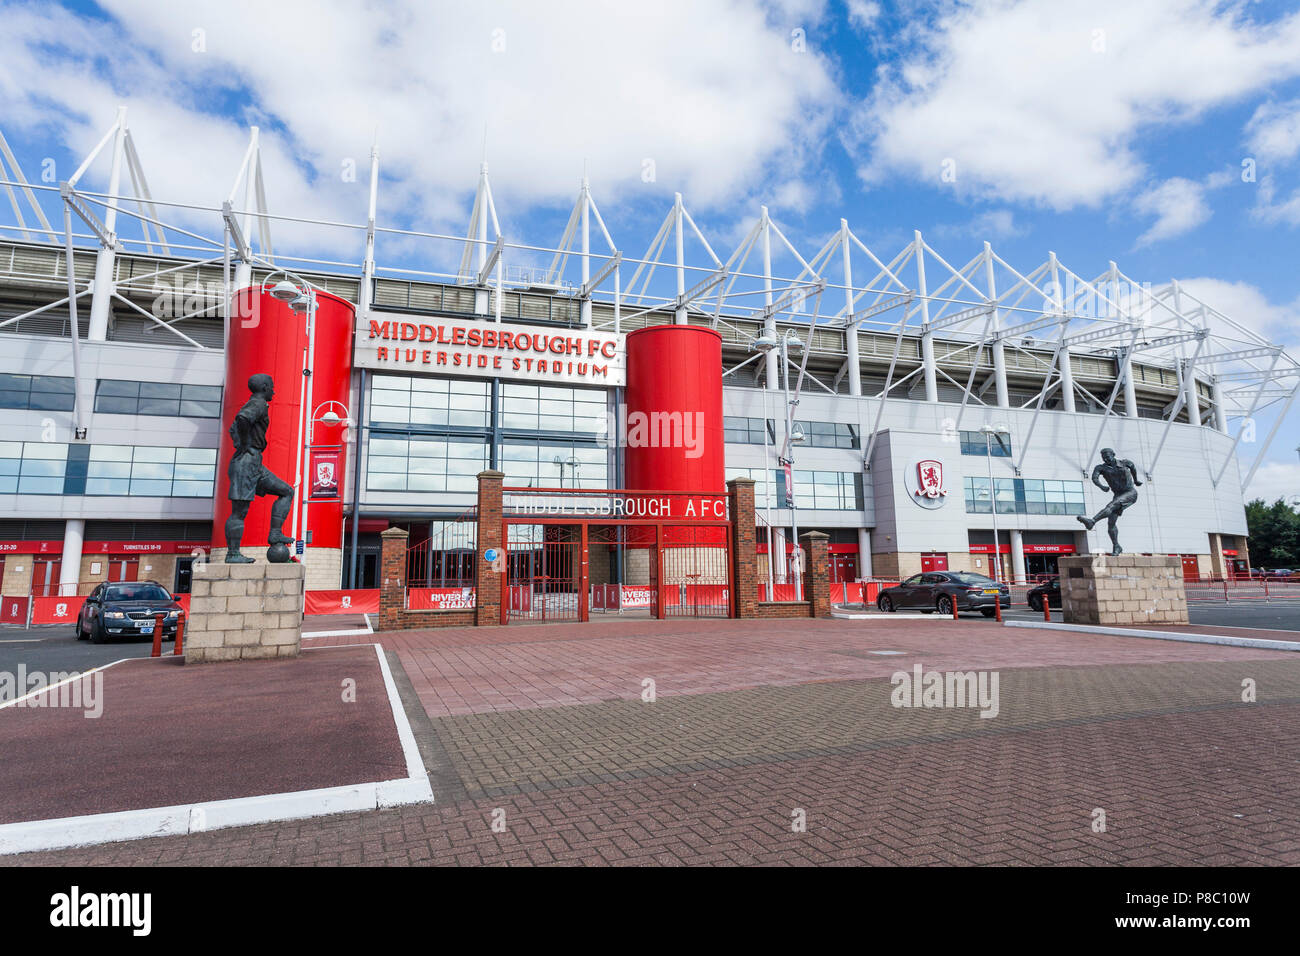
x=300 y=303
x=792 y=340
x=285 y=291
x=764 y=343
x=796 y=434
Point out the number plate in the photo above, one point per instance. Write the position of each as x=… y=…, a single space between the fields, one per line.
x=146 y=628
x=990 y=590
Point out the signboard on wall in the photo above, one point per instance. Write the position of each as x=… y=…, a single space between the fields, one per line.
x=326 y=473
x=387 y=341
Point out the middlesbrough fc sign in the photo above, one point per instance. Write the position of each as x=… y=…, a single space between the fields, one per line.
x=535 y=353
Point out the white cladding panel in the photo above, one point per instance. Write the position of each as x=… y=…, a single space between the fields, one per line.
x=1174 y=514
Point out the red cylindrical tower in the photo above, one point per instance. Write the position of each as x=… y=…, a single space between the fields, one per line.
x=267 y=336
x=674 y=386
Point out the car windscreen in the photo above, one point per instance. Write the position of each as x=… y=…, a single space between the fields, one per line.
x=965 y=577
x=137 y=592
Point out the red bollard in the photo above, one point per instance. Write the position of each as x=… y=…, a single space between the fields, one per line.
x=180 y=634
x=954 y=609
x=157 y=635
x=998 y=609
x=1047 y=611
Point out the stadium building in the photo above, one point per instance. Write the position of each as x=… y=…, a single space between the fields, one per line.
x=906 y=405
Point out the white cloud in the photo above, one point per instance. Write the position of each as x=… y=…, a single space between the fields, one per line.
x=550 y=86
x=994 y=224
x=1273 y=133
x=1179 y=206
x=1273 y=480
x=863 y=14
x=1044 y=100
x=1246 y=305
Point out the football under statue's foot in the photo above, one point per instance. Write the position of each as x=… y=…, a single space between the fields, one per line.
x=1086 y=522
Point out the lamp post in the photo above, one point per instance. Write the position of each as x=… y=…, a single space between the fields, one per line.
x=298 y=294
x=326 y=414
x=765 y=343
x=995 y=565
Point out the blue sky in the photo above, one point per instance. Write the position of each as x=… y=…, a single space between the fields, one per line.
x=1101 y=129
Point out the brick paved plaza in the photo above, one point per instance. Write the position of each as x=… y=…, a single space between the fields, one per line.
x=754 y=720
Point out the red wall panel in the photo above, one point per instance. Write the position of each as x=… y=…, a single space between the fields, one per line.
x=266 y=336
x=676 y=369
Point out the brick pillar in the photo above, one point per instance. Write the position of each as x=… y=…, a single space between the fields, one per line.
x=744 y=552
x=392 y=578
x=487 y=605
x=817 y=576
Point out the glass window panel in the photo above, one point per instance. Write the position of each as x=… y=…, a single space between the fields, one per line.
x=196 y=455
x=159 y=390
x=46 y=450
x=109 y=469
x=110 y=386
x=110 y=453
x=53 y=384
x=398 y=382
x=8 y=484
x=16 y=383
x=42 y=466
x=201 y=393
x=191 y=489
x=196 y=409
x=151 y=488
x=386 y=482
x=167 y=455
x=154 y=406
x=51 y=401
x=40 y=485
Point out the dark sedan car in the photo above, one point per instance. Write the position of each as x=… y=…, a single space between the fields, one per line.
x=1048 y=589
x=937 y=591
x=127 y=609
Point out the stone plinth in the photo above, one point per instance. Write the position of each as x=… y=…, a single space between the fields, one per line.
x=244 y=612
x=1122 y=589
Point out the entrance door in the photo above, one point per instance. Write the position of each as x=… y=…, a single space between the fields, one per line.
x=1191 y=569
x=45 y=577
x=123 y=569
x=934 y=561
x=844 y=567
x=184 y=576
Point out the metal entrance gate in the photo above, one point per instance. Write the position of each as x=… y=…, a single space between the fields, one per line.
x=696 y=572
x=571 y=553
x=543 y=582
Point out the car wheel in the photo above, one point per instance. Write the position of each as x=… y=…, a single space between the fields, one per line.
x=988 y=611
x=1036 y=603
x=886 y=604
x=945 y=605
x=81 y=630
x=97 y=633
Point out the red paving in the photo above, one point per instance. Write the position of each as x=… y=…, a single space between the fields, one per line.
x=475 y=670
x=174 y=735
x=754 y=719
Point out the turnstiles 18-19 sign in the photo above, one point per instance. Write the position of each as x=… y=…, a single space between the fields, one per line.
x=386 y=341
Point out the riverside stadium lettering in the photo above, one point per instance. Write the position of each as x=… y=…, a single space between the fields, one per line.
x=490 y=349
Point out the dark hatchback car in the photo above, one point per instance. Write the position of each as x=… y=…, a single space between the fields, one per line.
x=127 y=609
x=1051 y=590
x=938 y=590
